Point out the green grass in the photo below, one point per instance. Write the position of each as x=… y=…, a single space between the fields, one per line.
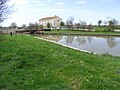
x=81 y=32
x=27 y=63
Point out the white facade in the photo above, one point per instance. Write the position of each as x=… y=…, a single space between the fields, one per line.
x=54 y=21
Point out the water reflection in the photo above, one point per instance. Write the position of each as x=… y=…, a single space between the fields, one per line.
x=52 y=37
x=69 y=39
x=111 y=42
x=101 y=45
x=82 y=40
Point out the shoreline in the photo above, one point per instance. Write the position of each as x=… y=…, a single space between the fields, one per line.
x=116 y=35
x=82 y=50
x=82 y=33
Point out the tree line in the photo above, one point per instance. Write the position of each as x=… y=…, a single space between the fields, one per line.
x=103 y=25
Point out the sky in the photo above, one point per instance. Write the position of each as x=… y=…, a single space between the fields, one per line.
x=30 y=11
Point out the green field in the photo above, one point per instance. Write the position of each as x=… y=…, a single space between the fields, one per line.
x=27 y=63
x=80 y=32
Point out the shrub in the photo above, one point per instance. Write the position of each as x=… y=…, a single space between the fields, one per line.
x=102 y=29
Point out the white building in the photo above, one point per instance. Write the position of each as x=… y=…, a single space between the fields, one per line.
x=54 y=21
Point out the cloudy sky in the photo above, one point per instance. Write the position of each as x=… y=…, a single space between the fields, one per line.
x=88 y=10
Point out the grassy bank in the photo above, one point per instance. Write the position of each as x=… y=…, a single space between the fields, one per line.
x=81 y=32
x=27 y=63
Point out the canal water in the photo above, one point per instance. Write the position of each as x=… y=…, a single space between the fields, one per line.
x=101 y=45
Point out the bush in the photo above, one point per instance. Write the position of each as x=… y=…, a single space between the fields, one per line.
x=102 y=29
x=47 y=29
x=118 y=27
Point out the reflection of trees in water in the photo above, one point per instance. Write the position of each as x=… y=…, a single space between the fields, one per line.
x=52 y=37
x=80 y=39
x=111 y=42
x=57 y=38
x=69 y=39
x=89 y=39
x=83 y=39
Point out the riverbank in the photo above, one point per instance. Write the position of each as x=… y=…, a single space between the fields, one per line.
x=77 y=32
x=91 y=44
x=32 y=64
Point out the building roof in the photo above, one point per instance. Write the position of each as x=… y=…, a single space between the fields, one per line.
x=46 y=18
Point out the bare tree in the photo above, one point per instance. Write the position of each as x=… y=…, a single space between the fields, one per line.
x=90 y=27
x=70 y=22
x=78 y=26
x=82 y=24
x=112 y=23
x=13 y=25
x=5 y=9
x=115 y=21
x=33 y=26
x=24 y=26
x=67 y=24
x=105 y=23
x=30 y=26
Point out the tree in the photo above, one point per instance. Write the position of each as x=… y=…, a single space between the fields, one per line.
x=112 y=23
x=13 y=25
x=115 y=21
x=78 y=26
x=41 y=26
x=90 y=27
x=36 y=25
x=5 y=9
x=67 y=26
x=31 y=26
x=105 y=23
x=82 y=24
x=24 y=26
x=48 y=25
x=70 y=22
x=62 y=24
x=99 y=22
